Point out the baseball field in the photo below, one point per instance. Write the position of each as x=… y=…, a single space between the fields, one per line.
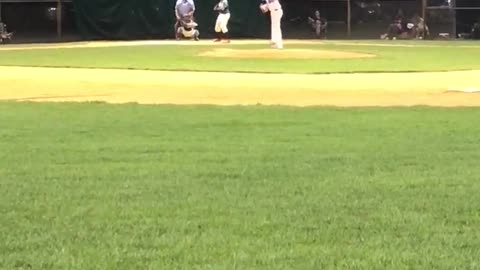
x=166 y=155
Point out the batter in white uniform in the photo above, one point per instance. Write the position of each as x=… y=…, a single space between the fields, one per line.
x=221 y=26
x=276 y=14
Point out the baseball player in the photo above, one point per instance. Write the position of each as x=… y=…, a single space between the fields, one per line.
x=183 y=8
x=276 y=14
x=188 y=29
x=222 y=21
x=476 y=30
x=4 y=34
x=420 y=27
x=319 y=24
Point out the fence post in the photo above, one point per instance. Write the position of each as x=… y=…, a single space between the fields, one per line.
x=59 y=19
x=453 y=9
x=349 y=18
x=424 y=10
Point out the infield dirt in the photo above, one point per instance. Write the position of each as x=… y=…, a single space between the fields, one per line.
x=170 y=87
x=167 y=87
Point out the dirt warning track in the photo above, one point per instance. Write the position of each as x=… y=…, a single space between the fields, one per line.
x=169 y=87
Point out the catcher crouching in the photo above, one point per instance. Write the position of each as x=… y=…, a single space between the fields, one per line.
x=188 y=29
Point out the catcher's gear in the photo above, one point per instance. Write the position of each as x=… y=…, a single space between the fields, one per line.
x=188 y=29
x=188 y=23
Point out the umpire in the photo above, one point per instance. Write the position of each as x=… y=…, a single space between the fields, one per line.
x=183 y=8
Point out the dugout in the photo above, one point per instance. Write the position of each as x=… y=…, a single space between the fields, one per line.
x=40 y=20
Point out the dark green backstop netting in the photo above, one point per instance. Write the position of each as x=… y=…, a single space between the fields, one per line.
x=143 y=19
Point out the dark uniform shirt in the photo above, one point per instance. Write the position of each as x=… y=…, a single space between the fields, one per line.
x=222 y=7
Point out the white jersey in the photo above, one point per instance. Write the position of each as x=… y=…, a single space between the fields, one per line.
x=276 y=14
x=274 y=5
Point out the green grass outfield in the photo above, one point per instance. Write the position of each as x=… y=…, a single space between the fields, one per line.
x=401 y=57
x=96 y=186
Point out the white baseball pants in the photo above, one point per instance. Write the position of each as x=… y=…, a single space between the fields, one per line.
x=276 y=21
x=222 y=23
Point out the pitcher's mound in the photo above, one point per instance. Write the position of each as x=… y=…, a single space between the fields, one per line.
x=284 y=54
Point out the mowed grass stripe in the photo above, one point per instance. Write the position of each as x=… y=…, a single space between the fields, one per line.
x=96 y=186
x=171 y=57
